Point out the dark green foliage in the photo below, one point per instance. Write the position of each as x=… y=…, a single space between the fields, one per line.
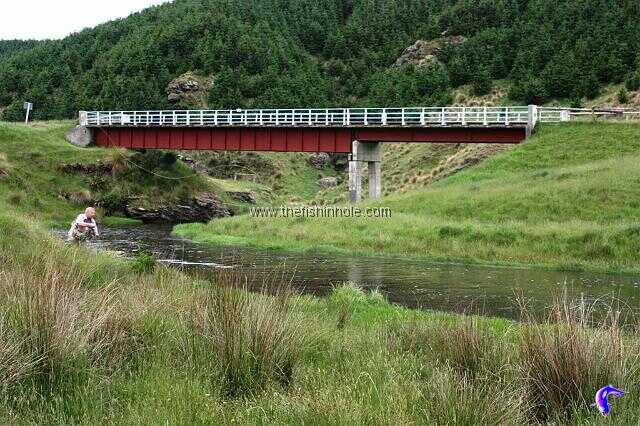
x=295 y=53
x=481 y=83
x=623 y=96
x=633 y=82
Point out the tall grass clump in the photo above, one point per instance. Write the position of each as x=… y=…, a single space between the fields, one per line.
x=452 y=400
x=52 y=329
x=256 y=340
x=463 y=345
x=568 y=356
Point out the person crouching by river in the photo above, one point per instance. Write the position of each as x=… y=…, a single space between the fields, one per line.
x=84 y=227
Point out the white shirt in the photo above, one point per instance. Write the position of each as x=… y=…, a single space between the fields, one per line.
x=82 y=220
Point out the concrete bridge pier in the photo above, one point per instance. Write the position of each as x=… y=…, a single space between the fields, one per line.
x=370 y=153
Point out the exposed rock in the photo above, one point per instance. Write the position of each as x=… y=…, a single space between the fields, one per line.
x=423 y=53
x=80 y=136
x=328 y=182
x=244 y=196
x=319 y=160
x=202 y=208
x=87 y=169
x=189 y=90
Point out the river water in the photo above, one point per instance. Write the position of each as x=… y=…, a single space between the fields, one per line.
x=486 y=290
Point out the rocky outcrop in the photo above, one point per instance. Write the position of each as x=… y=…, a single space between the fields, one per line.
x=423 y=53
x=189 y=90
x=202 y=208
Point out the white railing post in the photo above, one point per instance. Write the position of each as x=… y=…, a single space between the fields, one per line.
x=366 y=123
x=443 y=119
x=174 y=118
x=201 y=117
x=215 y=117
x=110 y=119
x=422 y=120
x=384 y=116
x=506 y=116
x=326 y=117
x=484 y=118
x=402 y=116
x=244 y=113
x=464 y=116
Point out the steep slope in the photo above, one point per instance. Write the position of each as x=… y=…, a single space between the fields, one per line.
x=43 y=176
x=566 y=198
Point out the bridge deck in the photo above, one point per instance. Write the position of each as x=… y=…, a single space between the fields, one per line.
x=341 y=117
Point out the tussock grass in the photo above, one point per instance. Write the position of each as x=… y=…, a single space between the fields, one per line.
x=569 y=355
x=257 y=341
x=464 y=346
x=53 y=326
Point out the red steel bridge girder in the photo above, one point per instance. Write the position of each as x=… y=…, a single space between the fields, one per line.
x=292 y=139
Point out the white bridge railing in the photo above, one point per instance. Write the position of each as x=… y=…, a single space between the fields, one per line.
x=333 y=117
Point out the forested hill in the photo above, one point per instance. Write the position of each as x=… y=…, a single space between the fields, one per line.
x=288 y=53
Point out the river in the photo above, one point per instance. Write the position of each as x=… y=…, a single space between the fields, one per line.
x=487 y=290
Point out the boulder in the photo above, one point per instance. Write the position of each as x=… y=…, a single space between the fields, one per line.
x=202 y=208
x=328 y=182
x=319 y=160
x=81 y=136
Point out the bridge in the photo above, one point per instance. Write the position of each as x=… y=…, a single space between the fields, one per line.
x=358 y=132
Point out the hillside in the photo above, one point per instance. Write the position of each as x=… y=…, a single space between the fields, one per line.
x=293 y=53
x=567 y=198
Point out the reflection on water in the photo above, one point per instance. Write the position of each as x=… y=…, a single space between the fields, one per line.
x=413 y=283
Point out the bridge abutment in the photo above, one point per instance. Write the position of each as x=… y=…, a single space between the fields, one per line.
x=370 y=153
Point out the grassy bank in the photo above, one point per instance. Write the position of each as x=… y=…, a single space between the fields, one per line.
x=88 y=338
x=35 y=183
x=567 y=198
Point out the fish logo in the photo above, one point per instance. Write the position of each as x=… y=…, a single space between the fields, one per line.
x=602 y=398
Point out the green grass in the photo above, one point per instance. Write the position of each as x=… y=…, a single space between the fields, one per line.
x=165 y=339
x=33 y=183
x=567 y=198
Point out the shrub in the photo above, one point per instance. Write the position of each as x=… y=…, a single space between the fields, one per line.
x=623 y=96
x=257 y=341
x=15 y=198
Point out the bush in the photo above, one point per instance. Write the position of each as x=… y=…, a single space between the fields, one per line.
x=623 y=96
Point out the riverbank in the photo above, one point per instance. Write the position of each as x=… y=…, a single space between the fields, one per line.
x=124 y=341
x=565 y=199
